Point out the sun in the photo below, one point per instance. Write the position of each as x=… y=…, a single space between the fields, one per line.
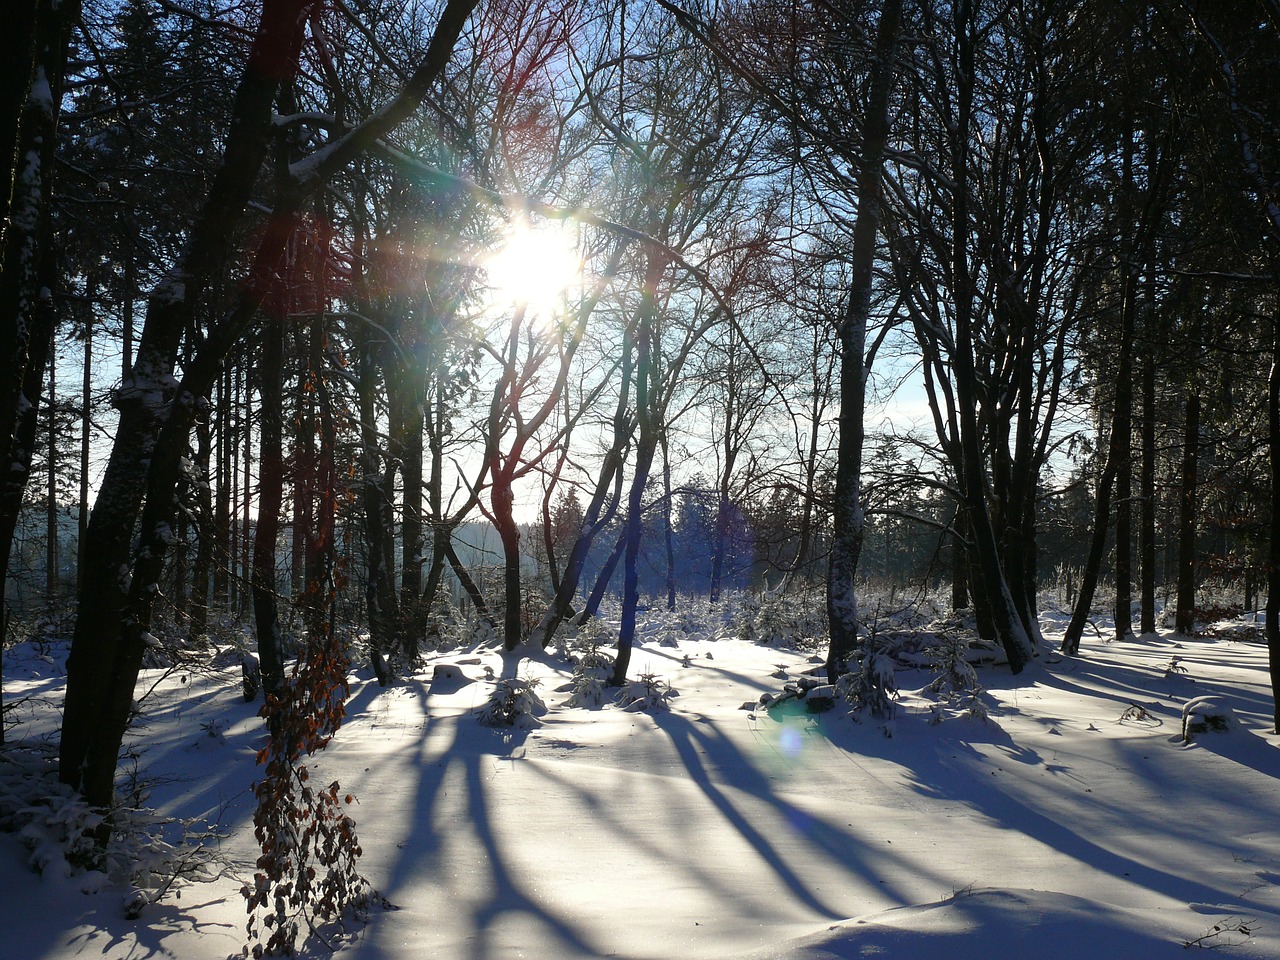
x=534 y=267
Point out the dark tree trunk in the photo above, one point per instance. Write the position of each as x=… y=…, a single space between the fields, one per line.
x=1147 y=492
x=1272 y=625
x=17 y=63
x=1185 y=611
x=411 y=540
x=270 y=498
x=1124 y=515
x=203 y=566
x=86 y=401
x=601 y=586
x=847 y=533
x=668 y=534
x=106 y=650
x=36 y=38
x=376 y=493
x=464 y=579
x=973 y=483
x=600 y=511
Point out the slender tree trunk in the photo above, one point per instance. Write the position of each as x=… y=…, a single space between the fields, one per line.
x=202 y=568
x=51 y=491
x=1147 y=528
x=649 y=429
x=847 y=534
x=86 y=401
x=668 y=535
x=411 y=539
x=1124 y=515
x=1185 y=612
x=270 y=498
x=1272 y=625
x=468 y=585
x=601 y=586
x=1101 y=520
x=973 y=482
x=600 y=510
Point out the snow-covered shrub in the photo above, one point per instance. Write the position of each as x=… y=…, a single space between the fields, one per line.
x=481 y=632
x=513 y=703
x=647 y=692
x=1206 y=715
x=774 y=626
x=871 y=685
x=748 y=612
x=68 y=838
x=443 y=630
x=592 y=666
x=948 y=657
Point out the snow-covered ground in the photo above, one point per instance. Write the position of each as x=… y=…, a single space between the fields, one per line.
x=1073 y=822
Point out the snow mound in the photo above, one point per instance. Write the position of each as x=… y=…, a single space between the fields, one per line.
x=1029 y=923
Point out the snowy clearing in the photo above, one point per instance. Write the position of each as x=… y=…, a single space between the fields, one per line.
x=1073 y=821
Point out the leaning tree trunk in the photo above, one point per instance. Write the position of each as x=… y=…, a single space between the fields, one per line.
x=102 y=667
x=1102 y=505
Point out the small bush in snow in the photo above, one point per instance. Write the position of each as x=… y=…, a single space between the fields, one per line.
x=591 y=668
x=68 y=838
x=647 y=692
x=481 y=632
x=513 y=703
x=747 y=614
x=774 y=628
x=949 y=659
x=871 y=685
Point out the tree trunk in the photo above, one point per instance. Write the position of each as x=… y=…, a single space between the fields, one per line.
x=1185 y=611
x=668 y=535
x=202 y=568
x=601 y=586
x=270 y=498
x=106 y=650
x=51 y=490
x=86 y=401
x=847 y=533
x=1124 y=514
x=600 y=511
x=1147 y=492
x=1008 y=623
x=1272 y=625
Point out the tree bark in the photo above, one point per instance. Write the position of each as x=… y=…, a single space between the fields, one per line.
x=848 y=519
x=1147 y=492
x=1185 y=611
x=270 y=498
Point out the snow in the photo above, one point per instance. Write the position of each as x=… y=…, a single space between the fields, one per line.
x=1075 y=821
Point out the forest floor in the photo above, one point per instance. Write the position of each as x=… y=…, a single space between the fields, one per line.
x=1072 y=821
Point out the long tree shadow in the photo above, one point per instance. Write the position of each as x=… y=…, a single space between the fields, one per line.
x=841 y=847
x=949 y=772
x=464 y=758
